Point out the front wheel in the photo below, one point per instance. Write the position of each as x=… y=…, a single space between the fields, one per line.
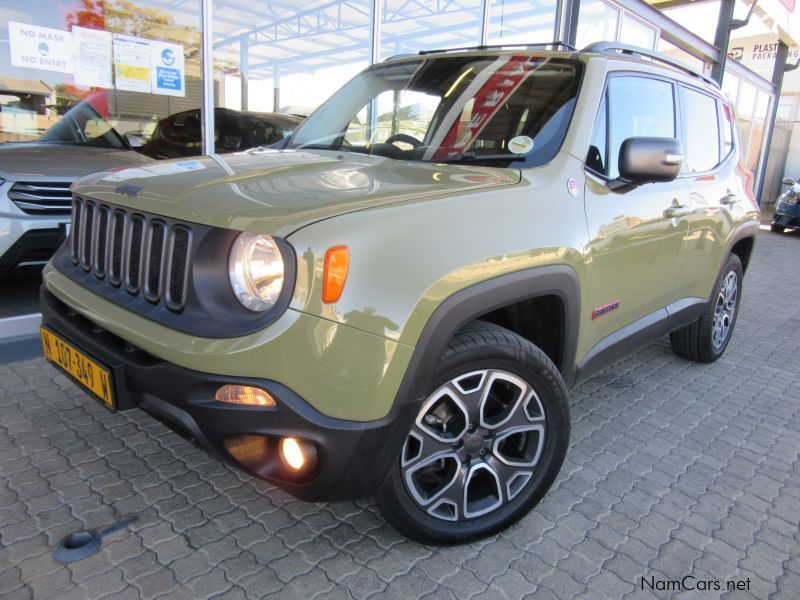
x=705 y=340
x=486 y=444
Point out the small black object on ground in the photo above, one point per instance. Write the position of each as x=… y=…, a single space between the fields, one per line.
x=81 y=544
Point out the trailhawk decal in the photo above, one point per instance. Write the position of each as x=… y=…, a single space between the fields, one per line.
x=606 y=308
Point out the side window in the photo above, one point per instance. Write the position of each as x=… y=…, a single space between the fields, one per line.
x=638 y=107
x=701 y=142
x=596 y=158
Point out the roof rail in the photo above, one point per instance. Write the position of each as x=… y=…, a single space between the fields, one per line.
x=635 y=51
x=542 y=46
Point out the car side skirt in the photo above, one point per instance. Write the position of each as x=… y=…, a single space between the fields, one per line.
x=635 y=335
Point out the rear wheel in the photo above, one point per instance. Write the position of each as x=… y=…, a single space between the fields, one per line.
x=777 y=228
x=486 y=443
x=705 y=340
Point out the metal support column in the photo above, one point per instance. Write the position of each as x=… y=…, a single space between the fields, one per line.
x=244 y=47
x=568 y=15
x=484 y=32
x=207 y=66
x=722 y=38
x=777 y=79
x=276 y=88
x=375 y=31
x=374 y=56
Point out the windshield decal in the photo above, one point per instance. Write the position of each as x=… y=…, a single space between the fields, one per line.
x=500 y=84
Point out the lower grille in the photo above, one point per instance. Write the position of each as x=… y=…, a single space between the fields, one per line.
x=126 y=248
x=37 y=198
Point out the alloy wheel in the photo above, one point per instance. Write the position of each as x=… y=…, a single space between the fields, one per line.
x=725 y=310
x=474 y=446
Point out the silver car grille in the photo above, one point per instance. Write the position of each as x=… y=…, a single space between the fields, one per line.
x=144 y=255
x=41 y=198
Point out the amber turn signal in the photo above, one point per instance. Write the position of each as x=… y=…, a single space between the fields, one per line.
x=244 y=394
x=334 y=275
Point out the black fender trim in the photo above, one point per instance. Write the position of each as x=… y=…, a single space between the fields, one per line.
x=468 y=304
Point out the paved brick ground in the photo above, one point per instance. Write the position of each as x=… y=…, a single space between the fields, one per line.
x=674 y=469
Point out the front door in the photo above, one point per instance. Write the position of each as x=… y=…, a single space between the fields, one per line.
x=635 y=238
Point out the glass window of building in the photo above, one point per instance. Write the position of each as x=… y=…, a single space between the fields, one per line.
x=275 y=63
x=597 y=22
x=522 y=21
x=408 y=27
x=635 y=32
x=756 y=144
x=98 y=75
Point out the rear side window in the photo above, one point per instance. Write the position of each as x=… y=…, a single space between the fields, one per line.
x=701 y=131
x=638 y=107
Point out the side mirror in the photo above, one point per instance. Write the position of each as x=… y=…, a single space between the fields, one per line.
x=134 y=140
x=788 y=181
x=647 y=160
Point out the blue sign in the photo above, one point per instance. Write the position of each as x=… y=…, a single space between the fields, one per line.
x=168 y=79
x=168 y=57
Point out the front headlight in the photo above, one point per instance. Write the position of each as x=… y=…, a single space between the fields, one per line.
x=255 y=268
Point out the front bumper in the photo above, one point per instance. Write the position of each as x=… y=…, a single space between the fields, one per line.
x=353 y=457
x=787 y=215
x=31 y=250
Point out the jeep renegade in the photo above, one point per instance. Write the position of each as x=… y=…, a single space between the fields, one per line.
x=395 y=301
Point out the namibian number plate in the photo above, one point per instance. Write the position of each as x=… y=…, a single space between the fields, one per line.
x=93 y=376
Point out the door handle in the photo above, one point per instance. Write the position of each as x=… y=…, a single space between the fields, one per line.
x=675 y=212
x=729 y=199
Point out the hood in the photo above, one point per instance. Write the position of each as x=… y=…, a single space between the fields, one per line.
x=277 y=192
x=62 y=162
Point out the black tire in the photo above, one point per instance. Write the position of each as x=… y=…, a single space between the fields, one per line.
x=777 y=228
x=489 y=357
x=696 y=341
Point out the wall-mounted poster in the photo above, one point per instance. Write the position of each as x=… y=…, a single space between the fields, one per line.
x=167 y=68
x=92 y=57
x=37 y=47
x=132 y=63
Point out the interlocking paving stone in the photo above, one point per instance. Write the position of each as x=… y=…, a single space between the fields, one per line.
x=674 y=469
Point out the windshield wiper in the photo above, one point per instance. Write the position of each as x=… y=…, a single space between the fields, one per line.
x=477 y=157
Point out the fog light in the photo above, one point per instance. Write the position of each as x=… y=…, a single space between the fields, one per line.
x=298 y=454
x=244 y=394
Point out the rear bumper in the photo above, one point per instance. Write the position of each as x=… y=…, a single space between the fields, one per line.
x=353 y=457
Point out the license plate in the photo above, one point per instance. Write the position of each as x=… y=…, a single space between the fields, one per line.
x=90 y=374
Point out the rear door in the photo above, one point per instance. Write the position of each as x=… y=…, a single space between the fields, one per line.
x=709 y=168
x=635 y=244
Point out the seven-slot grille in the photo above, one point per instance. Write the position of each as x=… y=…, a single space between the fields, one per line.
x=41 y=198
x=140 y=254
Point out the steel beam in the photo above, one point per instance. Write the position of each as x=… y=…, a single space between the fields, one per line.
x=675 y=34
x=722 y=38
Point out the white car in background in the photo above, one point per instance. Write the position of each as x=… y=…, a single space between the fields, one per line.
x=35 y=177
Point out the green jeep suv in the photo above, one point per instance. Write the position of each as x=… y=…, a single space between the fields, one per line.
x=395 y=302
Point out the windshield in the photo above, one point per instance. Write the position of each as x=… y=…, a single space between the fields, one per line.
x=84 y=126
x=504 y=108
